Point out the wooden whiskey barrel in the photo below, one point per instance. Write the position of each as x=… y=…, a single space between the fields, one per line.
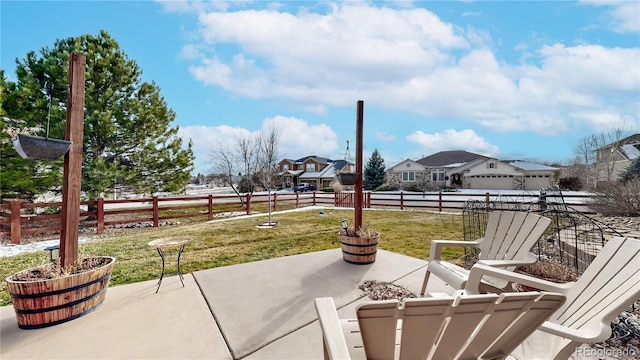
x=47 y=302
x=360 y=251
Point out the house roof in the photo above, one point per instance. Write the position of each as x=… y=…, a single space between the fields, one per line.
x=447 y=158
x=529 y=166
x=315 y=158
x=632 y=151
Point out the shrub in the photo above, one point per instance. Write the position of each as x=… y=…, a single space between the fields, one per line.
x=617 y=199
x=385 y=188
x=572 y=183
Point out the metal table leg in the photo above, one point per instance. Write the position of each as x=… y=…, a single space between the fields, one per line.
x=161 y=253
x=180 y=271
x=162 y=256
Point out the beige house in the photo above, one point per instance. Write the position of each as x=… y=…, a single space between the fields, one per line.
x=461 y=169
x=612 y=160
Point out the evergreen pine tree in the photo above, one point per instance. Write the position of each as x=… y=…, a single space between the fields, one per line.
x=374 y=172
x=128 y=137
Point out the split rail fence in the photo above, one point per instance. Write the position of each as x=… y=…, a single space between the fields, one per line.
x=19 y=219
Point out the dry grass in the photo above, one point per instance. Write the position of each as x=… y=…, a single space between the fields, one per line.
x=238 y=241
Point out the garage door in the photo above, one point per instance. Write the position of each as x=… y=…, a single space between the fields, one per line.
x=536 y=182
x=492 y=182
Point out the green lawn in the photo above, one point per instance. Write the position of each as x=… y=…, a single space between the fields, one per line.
x=238 y=241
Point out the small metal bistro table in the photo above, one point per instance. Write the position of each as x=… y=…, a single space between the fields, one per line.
x=169 y=243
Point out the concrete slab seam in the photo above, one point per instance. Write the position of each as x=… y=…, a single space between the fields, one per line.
x=298 y=328
x=215 y=319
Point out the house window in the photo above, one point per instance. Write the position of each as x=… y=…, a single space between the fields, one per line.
x=285 y=167
x=310 y=167
x=492 y=165
x=408 y=176
x=437 y=175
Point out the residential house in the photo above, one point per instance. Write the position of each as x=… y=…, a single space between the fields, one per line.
x=315 y=170
x=613 y=159
x=462 y=169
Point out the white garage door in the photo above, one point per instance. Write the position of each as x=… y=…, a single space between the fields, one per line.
x=492 y=182
x=536 y=182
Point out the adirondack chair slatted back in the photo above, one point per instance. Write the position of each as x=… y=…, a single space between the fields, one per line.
x=510 y=234
x=469 y=327
x=611 y=282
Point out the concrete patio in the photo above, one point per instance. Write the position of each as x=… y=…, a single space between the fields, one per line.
x=259 y=310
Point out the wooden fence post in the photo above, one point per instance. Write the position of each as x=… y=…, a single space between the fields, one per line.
x=15 y=221
x=314 y=198
x=156 y=212
x=100 y=216
x=297 y=200
x=486 y=202
x=210 y=207
x=401 y=201
x=440 y=201
x=248 y=202
x=275 y=203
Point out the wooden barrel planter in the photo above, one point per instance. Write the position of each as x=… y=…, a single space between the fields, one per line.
x=48 y=302
x=358 y=250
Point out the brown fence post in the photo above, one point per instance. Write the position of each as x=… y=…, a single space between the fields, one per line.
x=486 y=201
x=15 y=221
x=275 y=203
x=440 y=201
x=156 y=212
x=314 y=198
x=100 y=216
x=210 y=207
x=248 y=204
x=401 y=201
x=297 y=200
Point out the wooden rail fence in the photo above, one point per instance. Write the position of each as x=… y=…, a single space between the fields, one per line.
x=19 y=219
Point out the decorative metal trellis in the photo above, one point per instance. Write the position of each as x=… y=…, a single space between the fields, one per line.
x=573 y=238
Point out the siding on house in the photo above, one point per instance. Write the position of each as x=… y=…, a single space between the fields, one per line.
x=461 y=169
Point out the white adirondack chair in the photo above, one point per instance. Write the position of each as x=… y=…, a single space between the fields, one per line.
x=608 y=286
x=487 y=326
x=507 y=243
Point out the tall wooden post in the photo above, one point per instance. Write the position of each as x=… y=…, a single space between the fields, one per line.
x=357 y=202
x=72 y=177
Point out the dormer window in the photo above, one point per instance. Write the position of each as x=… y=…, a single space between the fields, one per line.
x=310 y=167
x=491 y=165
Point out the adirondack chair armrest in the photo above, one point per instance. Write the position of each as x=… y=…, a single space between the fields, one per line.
x=437 y=245
x=478 y=271
x=591 y=334
x=335 y=344
x=506 y=263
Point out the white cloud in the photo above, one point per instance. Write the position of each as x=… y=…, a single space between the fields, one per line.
x=409 y=59
x=623 y=15
x=298 y=138
x=453 y=140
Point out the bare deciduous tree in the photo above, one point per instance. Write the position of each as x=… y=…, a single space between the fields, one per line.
x=251 y=162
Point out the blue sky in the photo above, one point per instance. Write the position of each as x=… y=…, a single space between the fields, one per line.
x=509 y=79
